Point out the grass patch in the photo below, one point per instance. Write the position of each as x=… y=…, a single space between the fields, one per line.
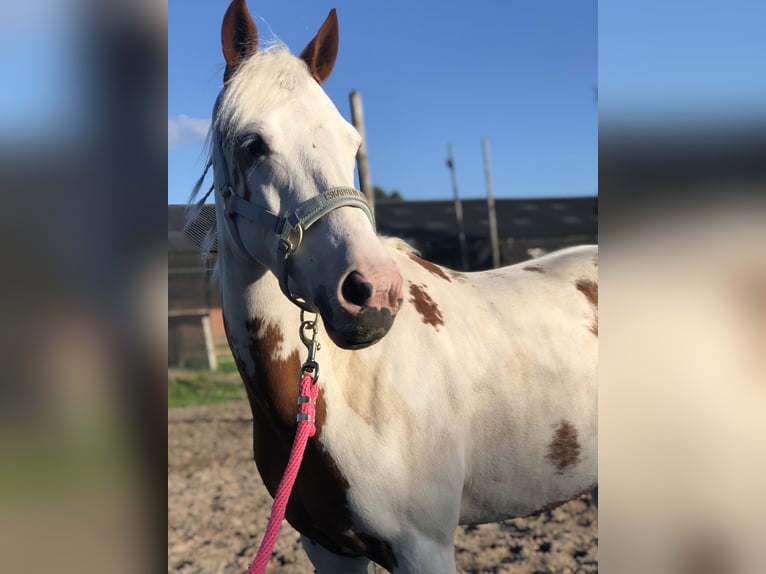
x=226 y=364
x=194 y=387
x=58 y=460
x=202 y=390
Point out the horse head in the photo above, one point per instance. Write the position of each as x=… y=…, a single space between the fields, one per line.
x=283 y=158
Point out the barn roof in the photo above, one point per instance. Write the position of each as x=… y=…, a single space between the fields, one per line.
x=433 y=220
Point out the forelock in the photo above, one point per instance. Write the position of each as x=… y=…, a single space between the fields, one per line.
x=267 y=79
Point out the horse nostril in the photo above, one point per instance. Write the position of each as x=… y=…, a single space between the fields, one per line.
x=356 y=290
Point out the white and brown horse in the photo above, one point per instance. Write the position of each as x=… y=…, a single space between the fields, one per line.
x=446 y=398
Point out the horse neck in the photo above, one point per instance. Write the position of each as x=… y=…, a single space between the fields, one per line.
x=262 y=330
x=251 y=294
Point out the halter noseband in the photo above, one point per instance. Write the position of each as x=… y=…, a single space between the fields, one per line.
x=290 y=226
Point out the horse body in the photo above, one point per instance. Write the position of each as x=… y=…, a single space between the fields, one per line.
x=470 y=395
x=479 y=404
x=445 y=397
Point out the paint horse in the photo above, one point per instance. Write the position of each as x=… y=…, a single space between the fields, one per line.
x=445 y=398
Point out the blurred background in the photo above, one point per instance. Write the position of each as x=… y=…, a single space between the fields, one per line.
x=682 y=198
x=83 y=291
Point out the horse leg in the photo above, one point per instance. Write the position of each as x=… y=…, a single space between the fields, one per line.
x=425 y=556
x=326 y=562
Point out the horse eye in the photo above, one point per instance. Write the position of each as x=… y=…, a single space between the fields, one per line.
x=256 y=146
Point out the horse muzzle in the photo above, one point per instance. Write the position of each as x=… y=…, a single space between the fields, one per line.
x=363 y=310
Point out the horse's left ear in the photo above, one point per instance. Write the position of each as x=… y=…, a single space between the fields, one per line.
x=321 y=51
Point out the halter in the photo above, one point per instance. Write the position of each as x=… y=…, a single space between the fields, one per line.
x=291 y=225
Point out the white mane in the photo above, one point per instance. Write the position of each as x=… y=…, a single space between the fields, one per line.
x=396 y=244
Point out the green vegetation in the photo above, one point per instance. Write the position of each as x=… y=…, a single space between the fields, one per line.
x=382 y=195
x=226 y=365
x=194 y=387
x=62 y=460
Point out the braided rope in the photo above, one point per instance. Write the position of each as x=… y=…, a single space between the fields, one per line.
x=306 y=429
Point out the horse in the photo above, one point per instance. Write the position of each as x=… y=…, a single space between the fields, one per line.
x=446 y=397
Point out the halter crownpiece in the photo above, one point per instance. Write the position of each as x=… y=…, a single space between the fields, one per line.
x=290 y=226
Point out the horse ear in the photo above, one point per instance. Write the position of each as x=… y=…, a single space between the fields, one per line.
x=321 y=51
x=239 y=36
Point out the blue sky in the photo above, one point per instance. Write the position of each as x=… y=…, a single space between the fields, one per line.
x=519 y=72
x=522 y=74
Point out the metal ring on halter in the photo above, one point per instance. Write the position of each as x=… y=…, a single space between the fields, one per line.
x=304 y=417
x=288 y=247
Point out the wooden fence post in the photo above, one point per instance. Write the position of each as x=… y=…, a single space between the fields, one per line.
x=365 y=179
x=458 y=209
x=491 y=207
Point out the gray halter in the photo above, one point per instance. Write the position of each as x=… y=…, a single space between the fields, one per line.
x=290 y=226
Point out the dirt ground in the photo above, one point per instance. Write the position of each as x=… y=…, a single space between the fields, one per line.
x=218 y=509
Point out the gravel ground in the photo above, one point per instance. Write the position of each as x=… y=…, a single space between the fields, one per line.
x=218 y=509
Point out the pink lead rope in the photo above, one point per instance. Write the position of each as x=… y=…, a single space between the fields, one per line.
x=307 y=397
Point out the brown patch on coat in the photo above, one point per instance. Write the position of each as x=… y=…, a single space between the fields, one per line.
x=430 y=267
x=589 y=288
x=564 y=450
x=318 y=507
x=534 y=267
x=595 y=261
x=425 y=306
x=277 y=378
